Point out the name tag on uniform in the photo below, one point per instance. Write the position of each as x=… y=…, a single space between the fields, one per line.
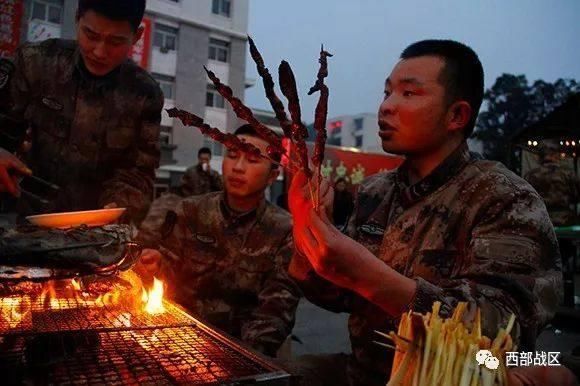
x=205 y=239
x=371 y=229
x=51 y=104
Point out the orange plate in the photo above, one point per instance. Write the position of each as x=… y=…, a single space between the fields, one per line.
x=71 y=219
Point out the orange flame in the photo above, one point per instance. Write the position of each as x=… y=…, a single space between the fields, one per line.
x=154 y=299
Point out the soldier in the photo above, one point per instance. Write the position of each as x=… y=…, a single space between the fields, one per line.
x=224 y=255
x=442 y=227
x=201 y=178
x=93 y=114
x=558 y=186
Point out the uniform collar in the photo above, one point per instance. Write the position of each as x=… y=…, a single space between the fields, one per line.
x=234 y=217
x=449 y=168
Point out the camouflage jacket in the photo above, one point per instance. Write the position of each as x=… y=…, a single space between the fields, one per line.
x=96 y=138
x=196 y=181
x=470 y=231
x=227 y=268
x=560 y=190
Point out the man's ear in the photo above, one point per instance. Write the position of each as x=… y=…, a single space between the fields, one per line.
x=138 y=34
x=458 y=115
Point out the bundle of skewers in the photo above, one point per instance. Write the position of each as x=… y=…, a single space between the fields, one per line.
x=293 y=128
x=430 y=350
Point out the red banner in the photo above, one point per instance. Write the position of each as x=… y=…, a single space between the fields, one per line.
x=352 y=165
x=140 y=50
x=10 y=22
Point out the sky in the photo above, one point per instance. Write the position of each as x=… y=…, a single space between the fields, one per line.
x=537 y=38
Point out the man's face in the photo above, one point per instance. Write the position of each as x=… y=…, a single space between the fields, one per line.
x=340 y=186
x=104 y=43
x=412 y=116
x=246 y=175
x=204 y=158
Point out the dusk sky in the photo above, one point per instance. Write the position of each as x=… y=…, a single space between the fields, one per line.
x=537 y=38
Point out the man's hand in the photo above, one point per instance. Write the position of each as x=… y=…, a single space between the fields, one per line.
x=299 y=204
x=299 y=195
x=111 y=205
x=331 y=254
x=11 y=170
x=340 y=259
x=149 y=263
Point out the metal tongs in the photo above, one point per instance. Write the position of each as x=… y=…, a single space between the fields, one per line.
x=49 y=187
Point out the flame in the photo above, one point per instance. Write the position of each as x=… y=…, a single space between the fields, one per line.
x=76 y=285
x=14 y=309
x=154 y=299
x=17 y=310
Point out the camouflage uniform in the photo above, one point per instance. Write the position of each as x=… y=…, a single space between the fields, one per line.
x=470 y=231
x=196 y=181
x=95 y=137
x=559 y=188
x=228 y=268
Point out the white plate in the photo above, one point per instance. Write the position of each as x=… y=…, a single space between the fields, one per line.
x=72 y=219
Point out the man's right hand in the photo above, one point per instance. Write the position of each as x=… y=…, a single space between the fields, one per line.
x=11 y=170
x=149 y=262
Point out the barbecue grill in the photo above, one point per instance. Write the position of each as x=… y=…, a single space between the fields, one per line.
x=72 y=341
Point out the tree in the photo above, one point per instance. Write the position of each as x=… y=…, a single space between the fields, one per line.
x=511 y=104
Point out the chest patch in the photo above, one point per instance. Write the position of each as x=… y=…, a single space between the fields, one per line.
x=371 y=229
x=205 y=239
x=51 y=103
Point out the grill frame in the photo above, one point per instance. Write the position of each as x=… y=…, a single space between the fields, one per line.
x=181 y=323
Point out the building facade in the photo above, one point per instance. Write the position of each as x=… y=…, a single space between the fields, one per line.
x=355 y=131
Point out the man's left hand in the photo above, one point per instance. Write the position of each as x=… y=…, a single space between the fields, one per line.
x=332 y=254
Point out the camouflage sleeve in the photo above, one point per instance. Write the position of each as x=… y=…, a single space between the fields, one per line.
x=156 y=228
x=272 y=321
x=318 y=290
x=512 y=265
x=14 y=98
x=132 y=183
x=157 y=221
x=188 y=177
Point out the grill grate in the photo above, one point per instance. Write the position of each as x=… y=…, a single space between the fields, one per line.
x=69 y=314
x=174 y=355
x=76 y=342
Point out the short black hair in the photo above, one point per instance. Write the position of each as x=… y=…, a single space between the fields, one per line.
x=249 y=130
x=204 y=150
x=462 y=75
x=129 y=10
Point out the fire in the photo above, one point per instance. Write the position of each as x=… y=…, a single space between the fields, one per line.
x=14 y=309
x=154 y=299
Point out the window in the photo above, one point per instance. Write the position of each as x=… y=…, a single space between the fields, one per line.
x=166 y=135
x=165 y=37
x=358 y=141
x=167 y=85
x=221 y=7
x=214 y=99
x=358 y=123
x=47 y=10
x=218 y=50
